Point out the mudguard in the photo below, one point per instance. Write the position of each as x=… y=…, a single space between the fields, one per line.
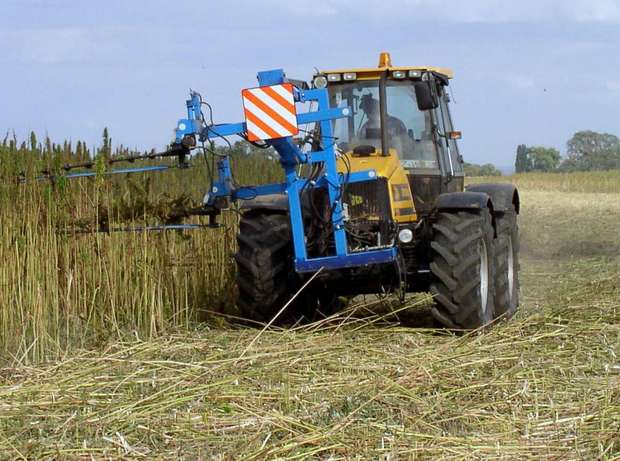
x=464 y=201
x=274 y=202
x=468 y=200
x=504 y=196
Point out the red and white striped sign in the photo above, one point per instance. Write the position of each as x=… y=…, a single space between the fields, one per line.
x=270 y=112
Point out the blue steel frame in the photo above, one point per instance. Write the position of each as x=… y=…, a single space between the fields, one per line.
x=290 y=158
x=88 y=174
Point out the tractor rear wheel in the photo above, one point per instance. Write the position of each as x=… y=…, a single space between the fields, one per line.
x=507 y=274
x=463 y=269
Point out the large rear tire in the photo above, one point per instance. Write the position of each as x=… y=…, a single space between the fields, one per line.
x=463 y=269
x=507 y=274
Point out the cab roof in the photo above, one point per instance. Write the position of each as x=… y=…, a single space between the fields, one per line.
x=385 y=64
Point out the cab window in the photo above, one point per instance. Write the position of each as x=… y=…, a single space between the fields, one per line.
x=363 y=127
x=410 y=130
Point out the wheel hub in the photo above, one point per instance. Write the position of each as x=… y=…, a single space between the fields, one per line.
x=511 y=272
x=484 y=275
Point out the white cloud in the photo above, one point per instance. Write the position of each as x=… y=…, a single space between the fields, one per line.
x=520 y=82
x=67 y=40
x=97 y=45
x=597 y=10
x=59 y=45
x=613 y=86
x=469 y=11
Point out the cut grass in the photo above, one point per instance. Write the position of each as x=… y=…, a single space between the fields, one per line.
x=543 y=386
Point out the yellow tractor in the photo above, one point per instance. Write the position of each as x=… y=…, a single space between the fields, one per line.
x=461 y=244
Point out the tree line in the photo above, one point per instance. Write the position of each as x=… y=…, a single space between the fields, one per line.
x=488 y=169
x=586 y=151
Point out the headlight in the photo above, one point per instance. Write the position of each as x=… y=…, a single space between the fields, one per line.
x=399 y=74
x=334 y=77
x=415 y=74
x=320 y=81
x=350 y=76
x=405 y=235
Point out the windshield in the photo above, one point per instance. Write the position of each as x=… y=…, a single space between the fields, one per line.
x=409 y=129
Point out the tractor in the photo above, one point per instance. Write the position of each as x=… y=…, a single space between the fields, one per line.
x=461 y=244
x=373 y=199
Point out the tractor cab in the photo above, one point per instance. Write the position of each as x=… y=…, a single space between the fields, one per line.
x=400 y=113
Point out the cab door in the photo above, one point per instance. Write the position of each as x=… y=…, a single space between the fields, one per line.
x=448 y=148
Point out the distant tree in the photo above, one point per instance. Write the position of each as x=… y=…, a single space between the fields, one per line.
x=523 y=163
x=471 y=169
x=543 y=158
x=488 y=169
x=589 y=150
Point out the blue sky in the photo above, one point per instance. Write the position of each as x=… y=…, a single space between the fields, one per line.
x=531 y=72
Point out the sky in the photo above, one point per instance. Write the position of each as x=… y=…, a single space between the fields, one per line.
x=529 y=72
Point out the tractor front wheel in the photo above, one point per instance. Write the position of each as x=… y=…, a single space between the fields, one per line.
x=463 y=269
x=266 y=277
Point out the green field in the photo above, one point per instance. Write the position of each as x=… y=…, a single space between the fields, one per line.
x=586 y=181
x=105 y=355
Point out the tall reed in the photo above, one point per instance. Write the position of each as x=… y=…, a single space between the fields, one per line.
x=63 y=288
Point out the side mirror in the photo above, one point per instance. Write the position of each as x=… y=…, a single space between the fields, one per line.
x=424 y=95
